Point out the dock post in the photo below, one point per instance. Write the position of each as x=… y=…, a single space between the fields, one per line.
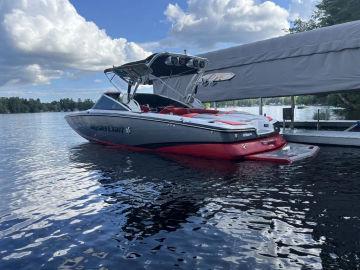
x=292 y=112
x=261 y=106
x=284 y=125
x=318 y=120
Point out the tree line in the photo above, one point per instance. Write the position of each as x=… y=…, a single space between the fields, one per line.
x=320 y=99
x=22 y=105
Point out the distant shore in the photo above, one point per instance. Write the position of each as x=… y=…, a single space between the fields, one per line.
x=21 y=105
x=11 y=105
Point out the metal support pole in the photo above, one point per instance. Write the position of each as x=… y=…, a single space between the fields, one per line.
x=284 y=125
x=261 y=106
x=318 y=120
x=292 y=112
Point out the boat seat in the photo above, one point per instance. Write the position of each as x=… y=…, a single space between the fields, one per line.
x=190 y=115
x=182 y=111
x=174 y=110
x=145 y=108
x=232 y=123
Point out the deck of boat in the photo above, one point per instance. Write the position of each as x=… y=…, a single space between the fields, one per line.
x=342 y=138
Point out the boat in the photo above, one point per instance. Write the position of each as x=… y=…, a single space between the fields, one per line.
x=179 y=123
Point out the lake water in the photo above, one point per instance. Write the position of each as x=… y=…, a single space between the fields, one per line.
x=300 y=114
x=69 y=204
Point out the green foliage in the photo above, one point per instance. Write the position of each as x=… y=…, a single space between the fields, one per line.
x=302 y=26
x=21 y=105
x=320 y=99
x=327 y=13
x=254 y=102
x=322 y=115
x=338 y=11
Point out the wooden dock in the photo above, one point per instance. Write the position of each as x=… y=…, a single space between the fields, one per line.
x=342 y=138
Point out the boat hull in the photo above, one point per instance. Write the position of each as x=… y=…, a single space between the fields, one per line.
x=141 y=134
x=151 y=133
x=230 y=151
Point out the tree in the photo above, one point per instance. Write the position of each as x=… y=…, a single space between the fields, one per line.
x=21 y=105
x=3 y=105
x=302 y=26
x=327 y=13
x=84 y=105
x=34 y=105
x=338 y=11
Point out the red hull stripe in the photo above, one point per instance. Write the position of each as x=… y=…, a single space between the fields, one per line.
x=229 y=151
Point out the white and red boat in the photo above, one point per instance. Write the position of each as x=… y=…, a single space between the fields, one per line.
x=159 y=123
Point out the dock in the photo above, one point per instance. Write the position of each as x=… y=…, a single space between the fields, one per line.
x=323 y=124
x=341 y=138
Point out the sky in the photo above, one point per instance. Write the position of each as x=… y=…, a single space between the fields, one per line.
x=52 y=49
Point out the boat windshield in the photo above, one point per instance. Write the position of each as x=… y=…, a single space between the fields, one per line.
x=108 y=102
x=118 y=83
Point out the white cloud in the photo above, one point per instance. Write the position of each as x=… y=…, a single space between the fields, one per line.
x=42 y=39
x=38 y=75
x=207 y=23
x=302 y=9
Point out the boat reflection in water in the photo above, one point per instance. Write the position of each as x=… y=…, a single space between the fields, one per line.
x=161 y=191
x=204 y=212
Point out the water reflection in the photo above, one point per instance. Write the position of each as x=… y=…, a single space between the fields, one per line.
x=230 y=202
x=68 y=204
x=156 y=192
x=269 y=213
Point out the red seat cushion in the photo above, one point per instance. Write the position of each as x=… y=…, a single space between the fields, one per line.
x=182 y=111
x=233 y=123
x=144 y=108
x=190 y=115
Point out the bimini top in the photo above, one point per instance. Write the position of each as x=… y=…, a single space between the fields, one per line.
x=157 y=65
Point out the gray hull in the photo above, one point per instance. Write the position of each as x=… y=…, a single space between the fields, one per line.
x=140 y=131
